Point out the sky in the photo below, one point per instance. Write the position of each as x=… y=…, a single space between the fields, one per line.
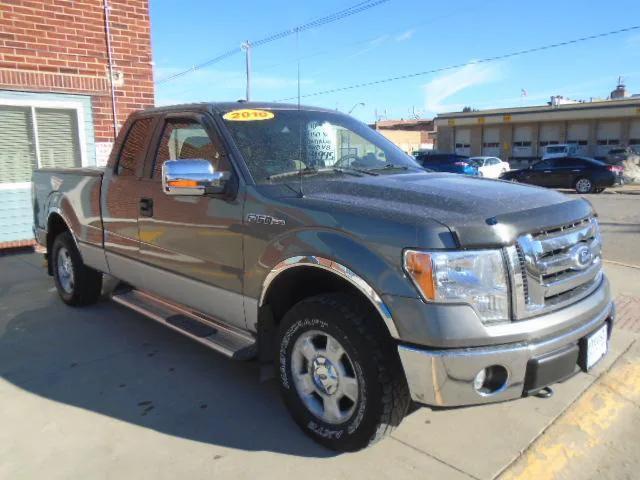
x=395 y=38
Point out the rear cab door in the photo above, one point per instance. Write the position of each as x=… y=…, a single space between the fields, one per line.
x=119 y=196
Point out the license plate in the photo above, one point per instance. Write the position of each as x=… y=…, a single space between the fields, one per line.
x=596 y=346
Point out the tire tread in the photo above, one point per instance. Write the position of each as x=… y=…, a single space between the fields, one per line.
x=396 y=397
x=88 y=282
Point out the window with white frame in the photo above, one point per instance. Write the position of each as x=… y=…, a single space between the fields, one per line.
x=37 y=137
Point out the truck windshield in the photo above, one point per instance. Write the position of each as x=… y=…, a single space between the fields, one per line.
x=276 y=143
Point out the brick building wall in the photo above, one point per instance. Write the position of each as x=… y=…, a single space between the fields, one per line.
x=54 y=74
x=61 y=46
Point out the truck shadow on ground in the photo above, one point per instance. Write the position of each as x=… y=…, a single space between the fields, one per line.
x=112 y=361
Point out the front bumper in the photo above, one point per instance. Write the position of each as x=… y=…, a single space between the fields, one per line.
x=444 y=377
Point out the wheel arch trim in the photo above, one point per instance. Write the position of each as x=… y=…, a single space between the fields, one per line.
x=337 y=269
x=58 y=212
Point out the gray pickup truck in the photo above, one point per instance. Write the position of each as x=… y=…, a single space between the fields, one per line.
x=302 y=238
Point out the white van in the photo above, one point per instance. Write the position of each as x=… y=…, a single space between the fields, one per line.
x=560 y=150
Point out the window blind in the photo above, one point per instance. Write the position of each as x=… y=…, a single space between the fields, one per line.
x=17 y=147
x=58 y=138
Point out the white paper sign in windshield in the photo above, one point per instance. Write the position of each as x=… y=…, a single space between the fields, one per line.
x=322 y=144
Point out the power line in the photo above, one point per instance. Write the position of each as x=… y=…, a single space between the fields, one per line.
x=474 y=62
x=347 y=12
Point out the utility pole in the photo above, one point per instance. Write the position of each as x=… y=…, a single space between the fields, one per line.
x=359 y=104
x=246 y=46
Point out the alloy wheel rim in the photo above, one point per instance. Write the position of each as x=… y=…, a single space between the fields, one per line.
x=65 y=270
x=584 y=185
x=324 y=377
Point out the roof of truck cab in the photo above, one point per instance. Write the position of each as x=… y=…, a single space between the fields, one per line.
x=220 y=107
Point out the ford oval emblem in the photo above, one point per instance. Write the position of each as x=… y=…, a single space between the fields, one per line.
x=582 y=257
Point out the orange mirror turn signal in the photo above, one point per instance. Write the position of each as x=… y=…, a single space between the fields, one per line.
x=182 y=183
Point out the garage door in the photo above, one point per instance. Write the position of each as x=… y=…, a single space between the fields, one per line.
x=463 y=141
x=634 y=134
x=549 y=135
x=522 y=138
x=608 y=137
x=578 y=135
x=491 y=141
x=30 y=137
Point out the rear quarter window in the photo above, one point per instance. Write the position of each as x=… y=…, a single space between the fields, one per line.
x=134 y=147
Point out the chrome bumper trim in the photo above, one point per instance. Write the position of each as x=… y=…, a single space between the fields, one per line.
x=445 y=377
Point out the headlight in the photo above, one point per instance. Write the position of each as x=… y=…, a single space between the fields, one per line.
x=475 y=277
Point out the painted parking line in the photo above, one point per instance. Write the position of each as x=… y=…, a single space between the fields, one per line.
x=584 y=428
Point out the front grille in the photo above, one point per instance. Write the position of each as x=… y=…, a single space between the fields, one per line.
x=555 y=267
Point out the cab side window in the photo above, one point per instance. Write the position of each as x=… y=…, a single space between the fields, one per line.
x=134 y=147
x=187 y=139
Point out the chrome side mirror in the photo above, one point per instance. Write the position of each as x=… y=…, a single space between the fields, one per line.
x=191 y=177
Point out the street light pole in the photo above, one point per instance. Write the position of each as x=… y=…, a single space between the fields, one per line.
x=246 y=46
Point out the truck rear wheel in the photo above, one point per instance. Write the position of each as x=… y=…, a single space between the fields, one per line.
x=339 y=373
x=76 y=283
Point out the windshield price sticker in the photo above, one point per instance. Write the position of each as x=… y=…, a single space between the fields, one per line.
x=248 y=115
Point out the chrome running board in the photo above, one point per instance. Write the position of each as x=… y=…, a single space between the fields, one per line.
x=210 y=332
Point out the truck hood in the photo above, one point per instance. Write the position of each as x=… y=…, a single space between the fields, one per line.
x=479 y=212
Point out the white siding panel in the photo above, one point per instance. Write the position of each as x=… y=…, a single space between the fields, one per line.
x=16 y=219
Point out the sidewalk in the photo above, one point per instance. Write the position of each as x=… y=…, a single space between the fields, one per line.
x=597 y=437
x=629 y=189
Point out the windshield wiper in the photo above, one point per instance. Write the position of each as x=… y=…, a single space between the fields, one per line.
x=389 y=166
x=314 y=171
x=354 y=171
x=293 y=173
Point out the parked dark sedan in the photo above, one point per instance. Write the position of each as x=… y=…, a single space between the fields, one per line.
x=446 y=162
x=586 y=175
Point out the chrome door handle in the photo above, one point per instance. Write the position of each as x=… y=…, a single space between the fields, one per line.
x=575 y=170
x=547 y=171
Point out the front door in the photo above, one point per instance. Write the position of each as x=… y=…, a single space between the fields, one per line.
x=541 y=174
x=193 y=243
x=566 y=170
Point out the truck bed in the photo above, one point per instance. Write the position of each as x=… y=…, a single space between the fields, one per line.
x=72 y=193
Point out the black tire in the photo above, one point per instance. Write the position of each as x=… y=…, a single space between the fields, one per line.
x=383 y=394
x=584 y=190
x=86 y=283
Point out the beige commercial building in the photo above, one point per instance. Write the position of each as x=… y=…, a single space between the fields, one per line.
x=522 y=133
x=409 y=135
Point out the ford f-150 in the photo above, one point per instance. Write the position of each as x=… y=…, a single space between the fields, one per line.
x=302 y=238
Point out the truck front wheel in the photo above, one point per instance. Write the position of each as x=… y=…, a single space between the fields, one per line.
x=76 y=283
x=339 y=373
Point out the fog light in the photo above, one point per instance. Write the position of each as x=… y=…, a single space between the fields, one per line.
x=478 y=382
x=491 y=380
